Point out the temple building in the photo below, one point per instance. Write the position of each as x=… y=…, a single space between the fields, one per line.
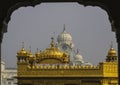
x=60 y=65
x=8 y=75
x=65 y=44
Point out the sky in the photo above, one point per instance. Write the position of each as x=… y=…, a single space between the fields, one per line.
x=89 y=27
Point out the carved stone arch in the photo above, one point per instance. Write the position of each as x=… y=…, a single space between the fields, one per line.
x=102 y=6
x=14 y=7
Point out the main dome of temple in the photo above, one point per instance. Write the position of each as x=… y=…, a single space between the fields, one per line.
x=54 y=53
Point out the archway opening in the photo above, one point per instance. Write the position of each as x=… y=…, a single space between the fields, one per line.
x=89 y=27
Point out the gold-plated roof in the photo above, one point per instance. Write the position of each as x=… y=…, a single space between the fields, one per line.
x=22 y=52
x=112 y=51
x=52 y=51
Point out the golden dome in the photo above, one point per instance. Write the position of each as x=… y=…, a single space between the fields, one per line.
x=112 y=55
x=112 y=52
x=52 y=52
x=22 y=52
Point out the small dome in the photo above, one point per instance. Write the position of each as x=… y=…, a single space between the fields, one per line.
x=22 y=52
x=88 y=64
x=78 y=57
x=64 y=37
x=112 y=55
x=112 y=52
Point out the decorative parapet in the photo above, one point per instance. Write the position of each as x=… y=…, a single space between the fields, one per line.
x=104 y=69
x=60 y=71
x=61 y=67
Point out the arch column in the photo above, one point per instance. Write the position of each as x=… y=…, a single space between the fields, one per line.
x=118 y=42
x=1 y=34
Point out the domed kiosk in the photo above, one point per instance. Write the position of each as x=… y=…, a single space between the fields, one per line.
x=78 y=59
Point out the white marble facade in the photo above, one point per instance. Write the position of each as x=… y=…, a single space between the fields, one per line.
x=8 y=75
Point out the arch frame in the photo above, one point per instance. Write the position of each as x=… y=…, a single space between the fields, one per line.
x=7 y=7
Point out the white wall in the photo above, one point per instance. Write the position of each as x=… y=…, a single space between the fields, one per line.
x=7 y=75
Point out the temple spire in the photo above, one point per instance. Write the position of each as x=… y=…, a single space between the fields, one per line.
x=64 y=28
x=111 y=45
x=52 y=42
x=37 y=49
x=54 y=34
x=30 y=48
x=22 y=45
x=77 y=51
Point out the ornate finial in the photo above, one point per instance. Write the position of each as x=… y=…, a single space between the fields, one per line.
x=52 y=42
x=37 y=49
x=37 y=53
x=54 y=34
x=23 y=46
x=30 y=53
x=77 y=51
x=40 y=51
x=64 y=28
x=30 y=48
x=52 y=38
x=111 y=46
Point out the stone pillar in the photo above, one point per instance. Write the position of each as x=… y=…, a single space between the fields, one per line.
x=1 y=36
x=118 y=42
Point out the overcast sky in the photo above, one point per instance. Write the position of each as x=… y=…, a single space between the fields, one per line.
x=88 y=26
